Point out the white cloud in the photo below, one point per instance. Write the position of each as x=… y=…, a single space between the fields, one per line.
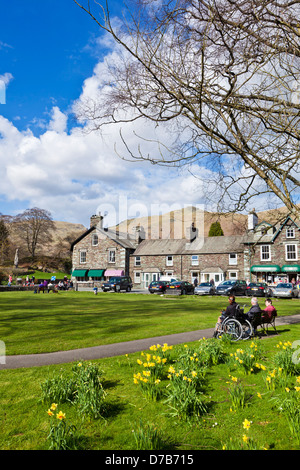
x=72 y=173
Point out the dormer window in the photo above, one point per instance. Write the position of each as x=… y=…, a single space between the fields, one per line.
x=290 y=232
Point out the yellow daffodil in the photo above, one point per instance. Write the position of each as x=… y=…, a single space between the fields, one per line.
x=246 y=424
x=61 y=416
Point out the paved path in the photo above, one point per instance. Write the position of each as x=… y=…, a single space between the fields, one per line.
x=117 y=349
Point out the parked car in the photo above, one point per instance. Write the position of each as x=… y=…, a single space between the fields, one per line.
x=285 y=289
x=183 y=286
x=158 y=286
x=259 y=289
x=117 y=284
x=232 y=287
x=205 y=288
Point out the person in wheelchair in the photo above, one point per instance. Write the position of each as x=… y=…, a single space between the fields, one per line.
x=254 y=314
x=231 y=311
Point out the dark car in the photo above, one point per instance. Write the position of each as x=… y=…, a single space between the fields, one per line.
x=232 y=287
x=158 y=286
x=117 y=284
x=259 y=289
x=183 y=287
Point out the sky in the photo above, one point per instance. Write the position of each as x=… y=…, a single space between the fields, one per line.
x=51 y=56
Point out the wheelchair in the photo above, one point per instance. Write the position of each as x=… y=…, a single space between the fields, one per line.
x=235 y=327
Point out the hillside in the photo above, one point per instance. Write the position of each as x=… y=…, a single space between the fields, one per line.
x=174 y=224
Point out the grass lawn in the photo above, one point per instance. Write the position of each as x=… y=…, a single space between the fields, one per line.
x=35 y=323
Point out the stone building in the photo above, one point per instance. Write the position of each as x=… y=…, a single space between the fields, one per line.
x=264 y=253
x=100 y=253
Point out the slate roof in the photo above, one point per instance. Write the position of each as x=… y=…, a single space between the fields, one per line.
x=230 y=244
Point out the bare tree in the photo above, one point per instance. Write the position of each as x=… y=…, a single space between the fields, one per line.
x=35 y=225
x=4 y=240
x=223 y=75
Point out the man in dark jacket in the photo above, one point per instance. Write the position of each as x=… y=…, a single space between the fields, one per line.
x=254 y=314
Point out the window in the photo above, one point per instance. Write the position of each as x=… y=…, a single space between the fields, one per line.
x=137 y=261
x=290 y=232
x=233 y=274
x=169 y=260
x=265 y=253
x=112 y=256
x=82 y=256
x=94 y=239
x=232 y=258
x=291 y=252
x=194 y=260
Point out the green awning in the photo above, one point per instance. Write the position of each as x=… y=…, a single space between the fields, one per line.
x=79 y=272
x=290 y=268
x=96 y=272
x=265 y=268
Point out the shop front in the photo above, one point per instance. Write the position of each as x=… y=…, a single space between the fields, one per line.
x=273 y=273
x=265 y=273
x=291 y=272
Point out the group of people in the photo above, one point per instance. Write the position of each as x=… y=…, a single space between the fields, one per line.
x=255 y=315
x=50 y=286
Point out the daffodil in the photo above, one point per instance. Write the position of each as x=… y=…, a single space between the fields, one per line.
x=246 y=424
x=61 y=416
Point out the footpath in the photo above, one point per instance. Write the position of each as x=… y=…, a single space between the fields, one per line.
x=117 y=349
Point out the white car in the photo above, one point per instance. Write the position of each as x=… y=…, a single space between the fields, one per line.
x=286 y=289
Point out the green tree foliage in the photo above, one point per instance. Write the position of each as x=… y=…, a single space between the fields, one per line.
x=215 y=230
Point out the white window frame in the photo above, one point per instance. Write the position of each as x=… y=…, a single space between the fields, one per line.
x=290 y=232
x=265 y=255
x=82 y=257
x=169 y=262
x=195 y=260
x=112 y=256
x=232 y=261
x=137 y=261
x=95 y=239
x=232 y=275
x=296 y=252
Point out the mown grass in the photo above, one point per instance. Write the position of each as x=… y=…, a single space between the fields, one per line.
x=37 y=323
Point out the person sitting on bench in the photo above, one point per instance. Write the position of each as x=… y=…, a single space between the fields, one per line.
x=269 y=312
x=254 y=314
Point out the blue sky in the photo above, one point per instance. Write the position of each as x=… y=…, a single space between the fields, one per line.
x=52 y=55
x=48 y=48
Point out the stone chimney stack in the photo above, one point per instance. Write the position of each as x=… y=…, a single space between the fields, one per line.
x=252 y=220
x=191 y=233
x=139 y=234
x=96 y=219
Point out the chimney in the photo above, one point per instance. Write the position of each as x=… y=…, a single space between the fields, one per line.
x=139 y=234
x=96 y=219
x=252 y=220
x=191 y=233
